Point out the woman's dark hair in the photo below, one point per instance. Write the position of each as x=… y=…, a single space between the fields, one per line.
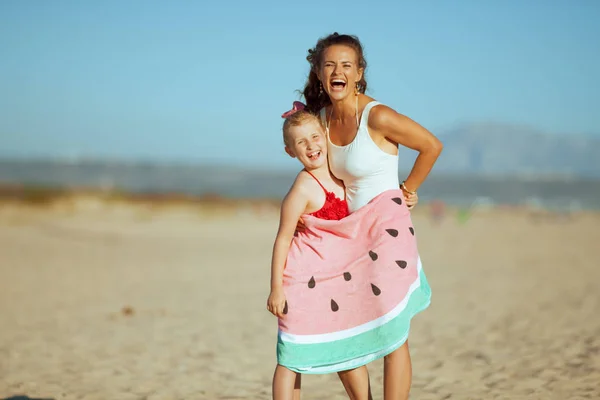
x=314 y=99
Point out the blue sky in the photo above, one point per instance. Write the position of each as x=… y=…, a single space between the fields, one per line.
x=191 y=82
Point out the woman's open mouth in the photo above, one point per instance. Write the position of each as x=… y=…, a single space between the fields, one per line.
x=338 y=85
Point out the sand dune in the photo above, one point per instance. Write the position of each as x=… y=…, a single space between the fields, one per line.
x=117 y=301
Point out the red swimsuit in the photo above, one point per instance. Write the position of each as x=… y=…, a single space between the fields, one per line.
x=334 y=207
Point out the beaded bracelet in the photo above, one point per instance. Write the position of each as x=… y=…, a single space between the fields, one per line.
x=403 y=186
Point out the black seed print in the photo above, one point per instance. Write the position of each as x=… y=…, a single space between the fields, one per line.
x=397 y=200
x=334 y=306
x=392 y=232
x=311 y=283
x=373 y=255
x=402 y=264
x=412 y=230
x=285 y=308
x=347 y=276
x=376 y=290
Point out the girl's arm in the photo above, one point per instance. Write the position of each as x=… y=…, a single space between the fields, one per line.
x=403 y=130
x=293 y=206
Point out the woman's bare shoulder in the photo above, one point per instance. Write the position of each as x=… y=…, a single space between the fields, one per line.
x=363 y=100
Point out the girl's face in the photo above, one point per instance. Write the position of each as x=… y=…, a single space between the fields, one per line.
x=306 y=142
x=339 y=71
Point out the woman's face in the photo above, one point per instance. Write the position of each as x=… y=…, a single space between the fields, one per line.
x=339 y=71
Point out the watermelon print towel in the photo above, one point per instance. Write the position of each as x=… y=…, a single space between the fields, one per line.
x=352 y=287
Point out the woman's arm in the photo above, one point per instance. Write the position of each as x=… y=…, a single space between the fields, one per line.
x=293 y=206
x=400 y=129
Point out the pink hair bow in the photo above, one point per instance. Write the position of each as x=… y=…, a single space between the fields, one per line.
x=298 y=106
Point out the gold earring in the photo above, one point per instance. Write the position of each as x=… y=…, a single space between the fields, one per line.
x=356 y=89
x=320 y=88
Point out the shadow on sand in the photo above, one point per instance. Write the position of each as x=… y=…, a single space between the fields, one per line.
x=26 y=398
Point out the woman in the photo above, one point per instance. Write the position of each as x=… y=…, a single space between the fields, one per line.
x=363 y=138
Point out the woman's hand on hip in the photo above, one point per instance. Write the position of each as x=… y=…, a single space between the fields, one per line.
x=411 y=199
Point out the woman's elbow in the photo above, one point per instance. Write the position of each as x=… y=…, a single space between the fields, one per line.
x=439 y=146
x=434 y=147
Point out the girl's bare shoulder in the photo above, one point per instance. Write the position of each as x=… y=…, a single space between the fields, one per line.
x=304 y=185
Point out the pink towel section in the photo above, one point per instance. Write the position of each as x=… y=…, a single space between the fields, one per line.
x=344 y=274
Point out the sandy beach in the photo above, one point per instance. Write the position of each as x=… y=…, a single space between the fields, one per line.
x=121 y=301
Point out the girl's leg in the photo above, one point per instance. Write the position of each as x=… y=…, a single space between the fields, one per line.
x=356 y=382
x=297 y=386
x=397 y=374
x=286 y=384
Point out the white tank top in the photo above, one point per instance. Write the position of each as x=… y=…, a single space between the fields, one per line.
x=366 y=170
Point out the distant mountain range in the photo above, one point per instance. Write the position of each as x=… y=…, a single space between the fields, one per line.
x=508 y=150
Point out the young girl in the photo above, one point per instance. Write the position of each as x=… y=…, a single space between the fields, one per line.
x=318 y=193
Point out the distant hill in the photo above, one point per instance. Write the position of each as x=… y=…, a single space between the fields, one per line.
x=508 y=150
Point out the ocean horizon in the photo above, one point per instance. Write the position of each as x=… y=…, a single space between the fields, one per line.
x=551 y=192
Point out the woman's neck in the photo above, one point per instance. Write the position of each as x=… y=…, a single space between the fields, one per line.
x=345 y=109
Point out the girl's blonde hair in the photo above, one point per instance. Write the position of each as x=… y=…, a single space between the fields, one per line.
x=296 y=119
